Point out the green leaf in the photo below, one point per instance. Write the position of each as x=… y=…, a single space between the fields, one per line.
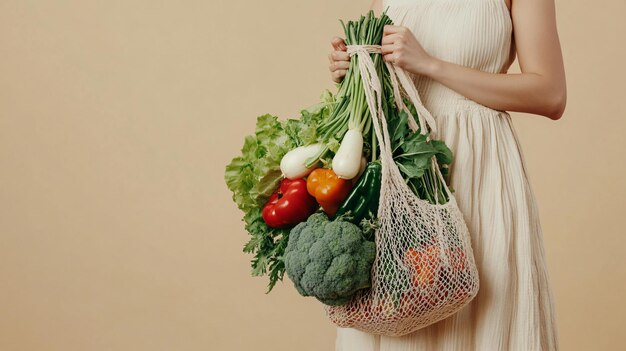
x=266 y=186
x=416 y=141
x=268 y=128
x=398 y=128
x=444 y=154
x=252 y=245
x=232 y=177
x=413 y=167
x=412 y=153
x=259 y=265
x=293 y=128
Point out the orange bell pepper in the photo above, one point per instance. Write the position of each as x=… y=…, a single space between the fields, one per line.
x=424 y=262
x=328 y=189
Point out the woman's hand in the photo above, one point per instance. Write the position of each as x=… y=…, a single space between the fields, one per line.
x=400 y=47
x=339 y=60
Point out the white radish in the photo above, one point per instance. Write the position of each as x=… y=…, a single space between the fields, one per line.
x=347 y=160
x=361 y=169
x=293 y=163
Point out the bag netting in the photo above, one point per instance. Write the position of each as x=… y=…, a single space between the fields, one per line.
x=424 y=269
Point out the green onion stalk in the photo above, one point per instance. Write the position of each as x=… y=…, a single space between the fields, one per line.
x=351 y=110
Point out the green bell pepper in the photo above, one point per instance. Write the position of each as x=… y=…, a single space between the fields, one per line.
x=364 y=197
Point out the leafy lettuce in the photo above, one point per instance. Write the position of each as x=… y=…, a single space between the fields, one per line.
x=255 y=175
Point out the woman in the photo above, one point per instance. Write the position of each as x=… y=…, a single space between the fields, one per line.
x=458 y=52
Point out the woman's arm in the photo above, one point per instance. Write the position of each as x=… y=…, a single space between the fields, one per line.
x=540 y=88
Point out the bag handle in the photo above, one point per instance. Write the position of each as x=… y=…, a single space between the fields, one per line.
x=373 y=95
x=408 y=88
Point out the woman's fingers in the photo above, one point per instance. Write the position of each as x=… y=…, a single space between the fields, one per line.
x=339 y=59
x=390 y=29
x=391 y=38
x=393 y=44
x=391 y=58
x=338 y=75
x=339 y=66
x=388 y=48
x=340 y=56
x=338 y=44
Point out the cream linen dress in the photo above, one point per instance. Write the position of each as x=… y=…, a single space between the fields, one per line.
x=514 y=309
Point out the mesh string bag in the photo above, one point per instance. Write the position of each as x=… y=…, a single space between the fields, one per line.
x=424 y=269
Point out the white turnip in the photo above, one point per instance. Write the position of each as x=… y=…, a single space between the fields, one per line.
x=347 y=160
x=293 y=163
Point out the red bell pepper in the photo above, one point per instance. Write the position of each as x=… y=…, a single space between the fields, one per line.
x=289 y=205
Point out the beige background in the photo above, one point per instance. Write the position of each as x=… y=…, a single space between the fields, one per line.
x=118 y=117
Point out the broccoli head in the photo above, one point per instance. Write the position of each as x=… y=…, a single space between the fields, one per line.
x=330 y=260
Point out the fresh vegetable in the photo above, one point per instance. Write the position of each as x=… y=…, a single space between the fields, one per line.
x=350 y=120
x=289 y=205
x=361 y=169
x=424 y=260
x=255 y=175
x=363 y=200
x=347 y=160
x=412 y=154
x=426 y=266
x=329 y=260
x=293 y=163
x=303 y=131
x=328 y=189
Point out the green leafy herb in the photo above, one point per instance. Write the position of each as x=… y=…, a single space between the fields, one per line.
x=255 y=175
x=412 y=153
